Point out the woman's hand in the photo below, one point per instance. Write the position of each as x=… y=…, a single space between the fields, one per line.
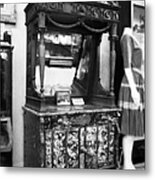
x=136 y=97
x=134 y=93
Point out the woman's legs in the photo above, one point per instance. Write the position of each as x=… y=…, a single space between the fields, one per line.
x=127 y=144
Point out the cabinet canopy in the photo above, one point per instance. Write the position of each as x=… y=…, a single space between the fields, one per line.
x=95 y=17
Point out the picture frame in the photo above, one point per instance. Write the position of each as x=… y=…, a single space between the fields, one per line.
x=138 y=26
x=77 y=101
x=8 y=13
x=63 y=98
x=138 y=16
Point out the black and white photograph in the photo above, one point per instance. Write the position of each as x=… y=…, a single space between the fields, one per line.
x=73 y=85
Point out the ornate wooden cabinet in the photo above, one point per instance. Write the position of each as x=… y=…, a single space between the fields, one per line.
x=70 y=120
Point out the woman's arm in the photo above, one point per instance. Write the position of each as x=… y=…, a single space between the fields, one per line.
x=134 y=93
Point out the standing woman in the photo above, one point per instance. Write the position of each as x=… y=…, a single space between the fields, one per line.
x=131 y=96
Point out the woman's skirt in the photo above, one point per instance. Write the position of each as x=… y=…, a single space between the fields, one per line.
x=132 y=121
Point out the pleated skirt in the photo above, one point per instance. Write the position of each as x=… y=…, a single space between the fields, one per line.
x=133 y=118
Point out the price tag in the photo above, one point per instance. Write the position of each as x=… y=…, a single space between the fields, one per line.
x=78 y=101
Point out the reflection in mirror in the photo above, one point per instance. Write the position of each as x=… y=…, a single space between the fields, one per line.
x=102 y=80
x=83 y=68
x=104 y=75
x=55 y=79
x=61 y=56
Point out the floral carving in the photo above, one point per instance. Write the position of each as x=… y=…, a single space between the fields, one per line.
x=73 y=148
x=69 y=145
x=59 y=149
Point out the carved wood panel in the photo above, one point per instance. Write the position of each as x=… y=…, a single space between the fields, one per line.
x=65 y=145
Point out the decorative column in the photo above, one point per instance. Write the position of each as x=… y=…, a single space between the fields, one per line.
x=113 y=37
x=33 y=56
x=41 y=25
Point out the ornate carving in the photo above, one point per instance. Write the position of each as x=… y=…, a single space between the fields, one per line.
x=110 y=3
x=48 y=148
x=73 y=148
x=66 y=144
x=88 y=10
x=42 y=142
x=59 y=148
x=103 y=147
x=91 y=146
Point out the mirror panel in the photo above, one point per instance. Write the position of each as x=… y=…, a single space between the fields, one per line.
x=61 y=56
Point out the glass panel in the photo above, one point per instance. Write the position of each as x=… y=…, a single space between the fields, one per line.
x=61 y=56
x=103 y=77
x=82 y=72
x=104 y=62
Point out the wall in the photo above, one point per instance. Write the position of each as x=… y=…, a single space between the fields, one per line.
x=19 y=82
x=18 y=33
